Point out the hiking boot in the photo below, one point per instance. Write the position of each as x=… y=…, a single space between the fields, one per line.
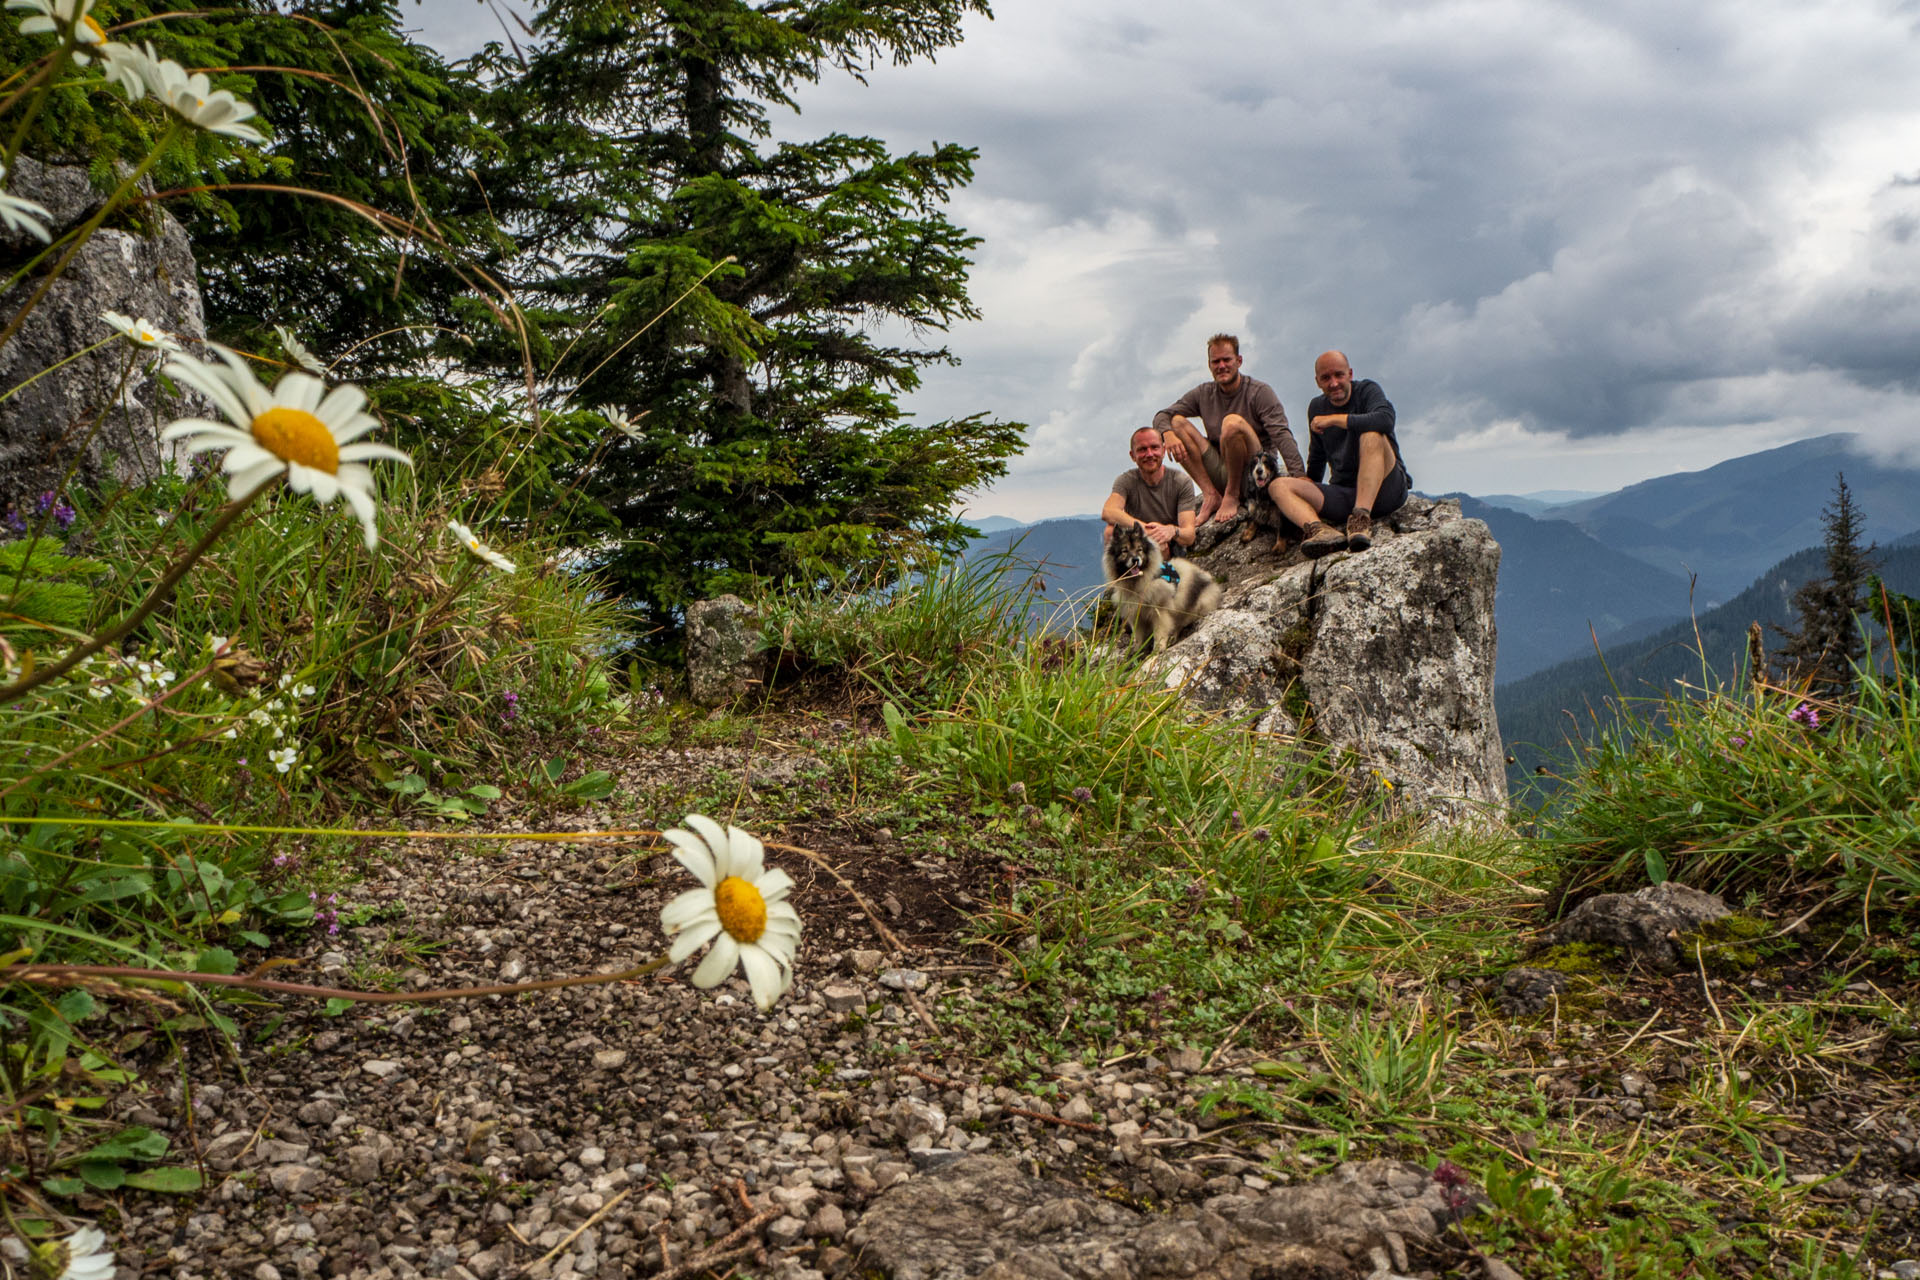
x=1359 y=531
x=1322 y=540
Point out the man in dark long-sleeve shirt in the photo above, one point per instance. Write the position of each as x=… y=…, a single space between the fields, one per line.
x=1352 y=425
x=1242 y=417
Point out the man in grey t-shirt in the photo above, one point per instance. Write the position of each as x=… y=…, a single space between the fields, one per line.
x=1162 y=502
x=1241 y=416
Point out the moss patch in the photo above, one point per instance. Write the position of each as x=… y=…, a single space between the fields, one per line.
x=1731 y=945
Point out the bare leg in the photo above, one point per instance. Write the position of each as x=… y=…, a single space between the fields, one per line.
x=1299 y=499
x=1192 y=453
x=1376 y=460
x=1237 y=444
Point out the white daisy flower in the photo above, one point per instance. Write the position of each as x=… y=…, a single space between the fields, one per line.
x=621 y=422
x=479 y=548
x=301 y=356
x=22 y=214
x=192 y=97
x=301 y=429
x=142 y=332
x=741 y=907
x=81 y=1256
x=57 y=17
x=283 y=758
x=127 y=66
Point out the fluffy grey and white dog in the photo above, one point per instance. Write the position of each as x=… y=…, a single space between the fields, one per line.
x=1261 y=513
x=1156 y=596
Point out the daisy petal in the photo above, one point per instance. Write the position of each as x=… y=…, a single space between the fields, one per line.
x=719 y=963
x=694 y=856
x=694 y=938
x=765 y=975
x=716 y=840
x=749 y=855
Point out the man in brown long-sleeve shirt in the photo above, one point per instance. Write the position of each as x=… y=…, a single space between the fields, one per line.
x=1242 y=416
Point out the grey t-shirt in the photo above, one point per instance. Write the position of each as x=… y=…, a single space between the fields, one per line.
x=1253 y=400
x=1157 y=503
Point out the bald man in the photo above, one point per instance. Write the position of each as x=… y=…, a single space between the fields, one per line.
x=1352 y=435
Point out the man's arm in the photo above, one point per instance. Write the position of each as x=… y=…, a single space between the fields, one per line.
x=1115 y=511
x=1369 y=409
x=1187 y=406
x=1271 y=418
x=1185 y=534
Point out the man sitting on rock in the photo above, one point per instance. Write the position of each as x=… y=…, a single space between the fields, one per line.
x=1242 y=417
x=1162 y=502
x=1352 y=425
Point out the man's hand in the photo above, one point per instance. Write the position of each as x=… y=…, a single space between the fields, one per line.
x=1325 y=420
x=1171 y=442
x=1160 y=533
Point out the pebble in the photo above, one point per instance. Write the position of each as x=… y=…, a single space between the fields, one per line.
x=841 y=999
x=866 y=961
x=608 y=1059
x=903 y=979
x=380 y=1068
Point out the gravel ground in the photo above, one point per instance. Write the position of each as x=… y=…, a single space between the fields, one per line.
x=643 y=1127
x=595 y=1131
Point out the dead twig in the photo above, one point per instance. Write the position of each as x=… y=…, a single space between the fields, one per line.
x=739 y=1242
x=917 y=1073
x=1071 y=1124
x=560 y=1248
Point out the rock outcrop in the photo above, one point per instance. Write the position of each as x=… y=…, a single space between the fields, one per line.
x=981 y=1218
x=1386 y=656
x=725 y=657
x=139 y=274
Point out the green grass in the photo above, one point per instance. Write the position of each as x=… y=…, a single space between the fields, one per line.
x=1740 y=794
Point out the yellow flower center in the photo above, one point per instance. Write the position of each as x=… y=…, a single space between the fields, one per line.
x=742 y=911
x=297 y=436
x=99 y=32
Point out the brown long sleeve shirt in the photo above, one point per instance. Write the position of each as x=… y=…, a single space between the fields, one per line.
x=1253 y=400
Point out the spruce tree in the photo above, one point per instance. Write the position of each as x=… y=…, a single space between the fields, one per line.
x=1821 y=654
x=755 y=305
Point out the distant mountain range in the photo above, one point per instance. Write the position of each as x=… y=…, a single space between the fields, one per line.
x=1732 y=522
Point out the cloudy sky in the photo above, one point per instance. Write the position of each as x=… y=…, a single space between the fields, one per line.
x=1578 y=244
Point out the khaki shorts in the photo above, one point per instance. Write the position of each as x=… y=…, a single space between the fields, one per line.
x=1217 y=467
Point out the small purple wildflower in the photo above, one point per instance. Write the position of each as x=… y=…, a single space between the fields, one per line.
x=1235 y=821
x=1017 y=791
x=1453 y=1179
x=63 y=514
x=1737 y=741
x=15 y=522
x=1805 y=714
x=281 y=861
x=1082 y=795
x=1262 y=835
x=511 y=711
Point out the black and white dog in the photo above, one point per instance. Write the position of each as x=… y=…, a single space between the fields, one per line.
x=1156 y=596
x=1261 y=513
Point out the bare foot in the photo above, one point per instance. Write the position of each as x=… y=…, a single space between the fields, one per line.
x=1208 y=502
x=1229 y=508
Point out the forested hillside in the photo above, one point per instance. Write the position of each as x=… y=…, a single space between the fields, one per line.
x=1540 y=712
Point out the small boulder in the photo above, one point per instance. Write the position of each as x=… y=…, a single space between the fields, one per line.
x=1648 y=923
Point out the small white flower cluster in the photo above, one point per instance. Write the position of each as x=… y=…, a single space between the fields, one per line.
x=273 y=721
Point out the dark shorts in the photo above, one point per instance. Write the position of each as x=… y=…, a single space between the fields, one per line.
x=1337 y=502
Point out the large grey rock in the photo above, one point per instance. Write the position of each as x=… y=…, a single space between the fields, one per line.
x=983 y=1218
x=725 y=656
x=1649 y=924
x=140 y=273
x=1385 y=654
